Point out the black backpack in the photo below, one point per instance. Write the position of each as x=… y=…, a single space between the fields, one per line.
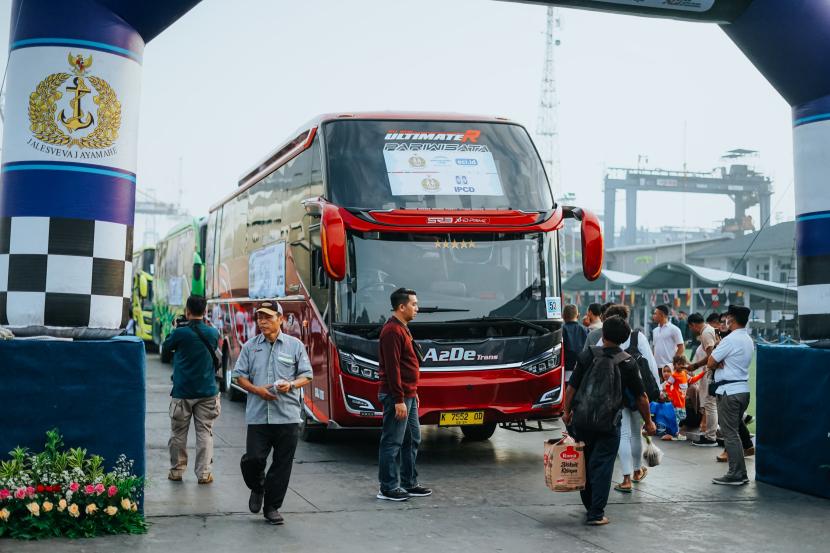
x=598 y=399
x=649 y=384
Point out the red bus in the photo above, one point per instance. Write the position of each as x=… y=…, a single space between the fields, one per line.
x=354 y=206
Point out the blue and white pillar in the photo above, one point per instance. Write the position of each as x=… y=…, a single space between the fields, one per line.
x=67 y=194
x=811 y=138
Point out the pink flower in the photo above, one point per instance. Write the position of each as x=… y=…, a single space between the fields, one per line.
x=4 y=493
x=73 y=487
x=30 y=491
x=99 y=488
x=111 y=491
x=89 y=489
x=20 y=493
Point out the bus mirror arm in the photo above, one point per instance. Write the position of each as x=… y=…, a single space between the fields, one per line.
x=592 y=242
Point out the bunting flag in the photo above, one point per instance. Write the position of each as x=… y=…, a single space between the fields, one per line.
x=715 y=298
x=666 y=297
x=700 y=295
x=689 y=297
x=632 y=298
x=653 y=299
x=603 y=295
x=622 y=297
x=676 y=300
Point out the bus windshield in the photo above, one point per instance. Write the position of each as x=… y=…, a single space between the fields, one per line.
x=456 y=276
x=434 y=164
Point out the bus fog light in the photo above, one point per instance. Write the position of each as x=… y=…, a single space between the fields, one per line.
x=550 y=396
x=359 y=403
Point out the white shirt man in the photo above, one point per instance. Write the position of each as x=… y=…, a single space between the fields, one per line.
x=667 y=338
x=736 y=352
x=730 y=361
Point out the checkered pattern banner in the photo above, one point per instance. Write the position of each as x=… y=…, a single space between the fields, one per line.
x=61 y=272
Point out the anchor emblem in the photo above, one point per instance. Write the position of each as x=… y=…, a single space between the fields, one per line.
x=102 y=118
x=79 y=119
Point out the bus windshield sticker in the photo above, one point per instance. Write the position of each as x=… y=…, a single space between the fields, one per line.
x=266 y=272
x=553 y=307
x=418 y=172
x=174 y=291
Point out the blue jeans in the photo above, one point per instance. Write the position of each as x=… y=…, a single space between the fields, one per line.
x=398 y=446
x=600 y=454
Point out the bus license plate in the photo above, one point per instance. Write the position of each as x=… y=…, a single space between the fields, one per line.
x=461 y=418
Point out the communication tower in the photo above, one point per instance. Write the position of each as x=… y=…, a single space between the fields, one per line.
x=547 y=133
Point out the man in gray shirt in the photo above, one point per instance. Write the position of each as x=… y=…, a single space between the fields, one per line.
x=272 y=367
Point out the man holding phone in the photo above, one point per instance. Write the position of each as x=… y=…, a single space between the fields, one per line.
x=272 y=367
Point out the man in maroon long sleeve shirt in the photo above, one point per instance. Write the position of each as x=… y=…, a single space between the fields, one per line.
x=399 y=367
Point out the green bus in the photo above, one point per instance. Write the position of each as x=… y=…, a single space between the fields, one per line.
x=180 y=272
x=142 y=296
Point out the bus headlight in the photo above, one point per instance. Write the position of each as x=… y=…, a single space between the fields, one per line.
x=543 y=363
x=350 y=365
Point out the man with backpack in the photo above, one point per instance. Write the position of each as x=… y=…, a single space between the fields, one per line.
x=195 y=394
x=604 y=380
x=631 y=443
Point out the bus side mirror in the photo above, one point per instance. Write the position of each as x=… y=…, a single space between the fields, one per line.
x=333 y=237
x=142 y=286
x=593 y=248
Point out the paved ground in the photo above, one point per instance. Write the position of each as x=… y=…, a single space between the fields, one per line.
x=488 y=497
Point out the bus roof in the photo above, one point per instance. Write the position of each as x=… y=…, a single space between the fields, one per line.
x=193 y=223
x=303 y=131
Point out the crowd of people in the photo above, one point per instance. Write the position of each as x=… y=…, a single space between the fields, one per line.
x=619 y=387
x=707 y=393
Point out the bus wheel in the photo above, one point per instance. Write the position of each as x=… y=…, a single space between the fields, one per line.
x=478 y=433
x=311 y=431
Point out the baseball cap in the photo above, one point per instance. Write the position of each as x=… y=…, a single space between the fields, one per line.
x=270 y=308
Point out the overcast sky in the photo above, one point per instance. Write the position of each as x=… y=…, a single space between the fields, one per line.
x=232 y=79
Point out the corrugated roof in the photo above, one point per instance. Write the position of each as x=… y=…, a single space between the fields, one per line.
x=773 y=239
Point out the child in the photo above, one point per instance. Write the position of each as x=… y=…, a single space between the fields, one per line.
x=675 y=387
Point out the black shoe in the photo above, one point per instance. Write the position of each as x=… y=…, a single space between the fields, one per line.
x=730 y=481
x=255 y=501
x=274 y=517
x=398 y=494
x=419 y=491
x=703 y=441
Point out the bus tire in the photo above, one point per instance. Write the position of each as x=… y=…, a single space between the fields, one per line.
x=311 y=431
x=479 y=433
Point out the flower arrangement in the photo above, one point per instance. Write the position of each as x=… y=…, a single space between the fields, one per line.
x=65 y=493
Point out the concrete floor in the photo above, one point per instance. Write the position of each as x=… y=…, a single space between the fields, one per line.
x=489 y=496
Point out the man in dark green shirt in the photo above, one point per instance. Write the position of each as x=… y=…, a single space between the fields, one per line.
x=195 y=394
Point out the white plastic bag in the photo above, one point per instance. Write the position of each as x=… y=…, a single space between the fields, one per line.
x=652 y=454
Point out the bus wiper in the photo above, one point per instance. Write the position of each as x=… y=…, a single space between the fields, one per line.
x=439 y=310
x=528 y=324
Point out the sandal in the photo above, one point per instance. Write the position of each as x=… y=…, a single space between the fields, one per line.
x=620 y=488
x=643 y=473
x=601 y=522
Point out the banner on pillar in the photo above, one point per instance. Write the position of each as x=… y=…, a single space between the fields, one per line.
x=76 y=105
